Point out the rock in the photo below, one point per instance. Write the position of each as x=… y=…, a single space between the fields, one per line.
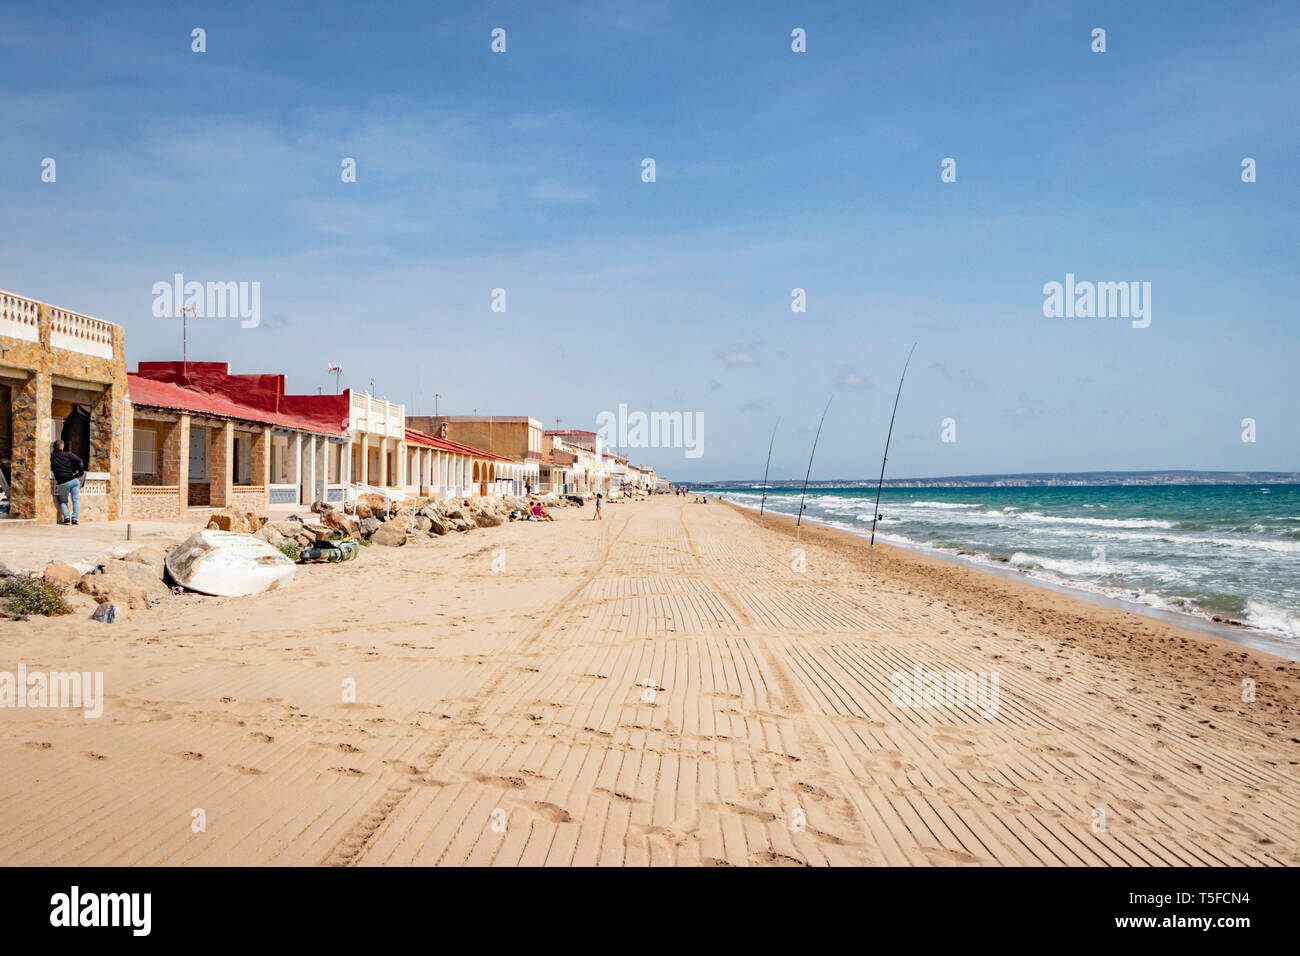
x=109 y=612
x=62 y=575
x=422 y=523
x=486 y=519
x=369 y=525
x=340 y=522
x=371 y=504
x=392 y=533
x=114 y=587
x=229 y=519
x=321 y=507
x=437 y=525
x=151 y=556
x=141 y=574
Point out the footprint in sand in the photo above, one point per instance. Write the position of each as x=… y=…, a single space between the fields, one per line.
x=402 y=767
x=763 y=816
x=950 y=856
x=261 y=737
x=347 y=771
x=94 y=756
x=38 y=744
x=246 y=771
x=492 y=780
x=191 y=755
x=618 y=795
x=817 y=793
x=769 y=858
x=550 y=812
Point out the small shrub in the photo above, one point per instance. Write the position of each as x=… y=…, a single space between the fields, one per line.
x=291 y=551
x=19 y=596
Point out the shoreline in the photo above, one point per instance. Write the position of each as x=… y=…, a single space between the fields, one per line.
x=1243 y=635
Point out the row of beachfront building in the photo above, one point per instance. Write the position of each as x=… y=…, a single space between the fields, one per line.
x=175 y=438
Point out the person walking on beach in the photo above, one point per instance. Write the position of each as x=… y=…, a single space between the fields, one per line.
x=68 y=469
x=597 y=516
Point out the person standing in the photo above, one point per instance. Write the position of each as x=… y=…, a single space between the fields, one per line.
x=598 y=497
x=68 y=470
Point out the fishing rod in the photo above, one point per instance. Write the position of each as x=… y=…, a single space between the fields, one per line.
x=875 y=515
x=765 y=471
x=798 y=523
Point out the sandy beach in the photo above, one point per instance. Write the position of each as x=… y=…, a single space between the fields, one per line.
x=659 y=688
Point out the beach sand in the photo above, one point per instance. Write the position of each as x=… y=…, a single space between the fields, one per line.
x=661 y=687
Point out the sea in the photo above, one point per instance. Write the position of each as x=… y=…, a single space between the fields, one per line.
x=1230 y=552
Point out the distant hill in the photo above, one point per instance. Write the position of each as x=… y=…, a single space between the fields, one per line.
x=1035 y=480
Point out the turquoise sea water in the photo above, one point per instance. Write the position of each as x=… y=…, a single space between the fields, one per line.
x=1231 y=551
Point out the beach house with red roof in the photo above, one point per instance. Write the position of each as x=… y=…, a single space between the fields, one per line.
x=204 y=438
x=516 y=439
x=437 y=467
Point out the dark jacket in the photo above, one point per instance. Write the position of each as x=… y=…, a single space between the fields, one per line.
x=66 y=466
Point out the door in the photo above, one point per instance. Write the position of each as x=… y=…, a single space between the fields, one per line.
x=198 y=454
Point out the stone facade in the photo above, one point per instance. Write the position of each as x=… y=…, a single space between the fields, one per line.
x=43 y=348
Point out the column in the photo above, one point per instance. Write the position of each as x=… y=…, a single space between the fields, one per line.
x=309 y=473
x=176 y=459
x=383 y=462
x=259 y=466
x=221 y=460
x=32 y=491
x=365 y=459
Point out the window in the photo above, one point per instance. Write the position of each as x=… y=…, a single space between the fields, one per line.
x=144 y=454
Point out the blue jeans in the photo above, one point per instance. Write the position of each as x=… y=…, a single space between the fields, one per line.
x=70 y=489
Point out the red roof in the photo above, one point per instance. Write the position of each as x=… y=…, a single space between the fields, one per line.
x=156 y=394
x=433 y=441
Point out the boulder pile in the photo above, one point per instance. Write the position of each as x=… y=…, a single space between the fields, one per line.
x=396 y=523
x=124 y=579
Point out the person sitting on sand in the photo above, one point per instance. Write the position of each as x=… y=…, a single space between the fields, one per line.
x=541 y=514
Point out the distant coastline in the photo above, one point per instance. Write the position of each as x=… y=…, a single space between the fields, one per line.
x=1063 y=479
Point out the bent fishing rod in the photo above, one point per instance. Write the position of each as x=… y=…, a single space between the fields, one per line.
x=875 y=515
x=768 y=467
x=799 y=522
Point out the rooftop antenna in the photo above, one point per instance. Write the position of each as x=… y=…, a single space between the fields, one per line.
x=335 y=370
x=436 y=396
x=185 y=333
x=875 y=515
x=799 y=521
x=767 y=468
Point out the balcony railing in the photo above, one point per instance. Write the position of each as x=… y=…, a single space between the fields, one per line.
x=20 y=318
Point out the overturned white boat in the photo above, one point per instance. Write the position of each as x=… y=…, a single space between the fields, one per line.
x=227 y=564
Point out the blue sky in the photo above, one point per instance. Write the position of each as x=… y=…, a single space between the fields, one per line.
x=775 y=170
